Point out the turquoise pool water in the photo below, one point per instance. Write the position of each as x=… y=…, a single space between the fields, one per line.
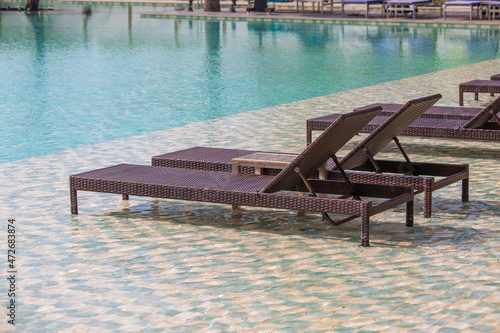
x=71 y=79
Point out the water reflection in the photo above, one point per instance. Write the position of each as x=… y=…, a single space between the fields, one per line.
x=112 y=75
x=213 y=84
x=36 y=22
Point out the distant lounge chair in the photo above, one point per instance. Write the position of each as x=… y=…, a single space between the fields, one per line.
x=496 y=76
x=260 y=190
x=365 y=2
x=477 y=87
x=404 y=6
x=493 y=11
x=472 y=4
x=393 y=172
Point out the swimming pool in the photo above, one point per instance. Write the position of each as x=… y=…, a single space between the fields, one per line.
x=71 y=79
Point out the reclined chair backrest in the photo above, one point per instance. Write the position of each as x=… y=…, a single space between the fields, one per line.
x=485 y=115
x=387 y=131
x=320 y=150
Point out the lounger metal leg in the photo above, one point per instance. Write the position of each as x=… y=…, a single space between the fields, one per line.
x=428 y=186
x=365 y=228
x=409 y=213
x=427 y=202
x=372 y=160
x=74 y=201
x=476 y=96
x=496 y=117
x=407 y=159
x=308 y=136
x=465 y=190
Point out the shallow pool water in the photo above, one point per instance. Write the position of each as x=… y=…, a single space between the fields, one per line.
x=71 y=79
x=158 y=265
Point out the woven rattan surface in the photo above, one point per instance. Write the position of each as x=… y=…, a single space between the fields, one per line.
x=321 y=150
x=485 y=115
x=447 y=112
x=480 y=85
x=388 y=130
x=426 y=122
x=492 y=134
x=176 y=177
x=482 y=122
x=204 y=158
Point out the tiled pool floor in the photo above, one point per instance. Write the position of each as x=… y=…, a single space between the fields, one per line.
x=151 y=265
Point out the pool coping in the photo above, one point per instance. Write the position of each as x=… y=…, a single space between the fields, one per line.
x=222 y=16
x=284 y=14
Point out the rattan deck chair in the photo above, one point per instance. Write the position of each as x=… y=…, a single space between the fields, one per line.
x=439 y=112
x=220 y=159
x=485 y=125
x=260 y=190
x=382 y=128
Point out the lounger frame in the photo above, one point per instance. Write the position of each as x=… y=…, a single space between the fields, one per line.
x=260 y=190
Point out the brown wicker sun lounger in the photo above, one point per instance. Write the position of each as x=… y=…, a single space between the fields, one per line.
x=439 y=112
x=424 y=173
x=260 y=190
x=495 y=77
x=485 y=125
x=220 y=159
x=478 y=86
